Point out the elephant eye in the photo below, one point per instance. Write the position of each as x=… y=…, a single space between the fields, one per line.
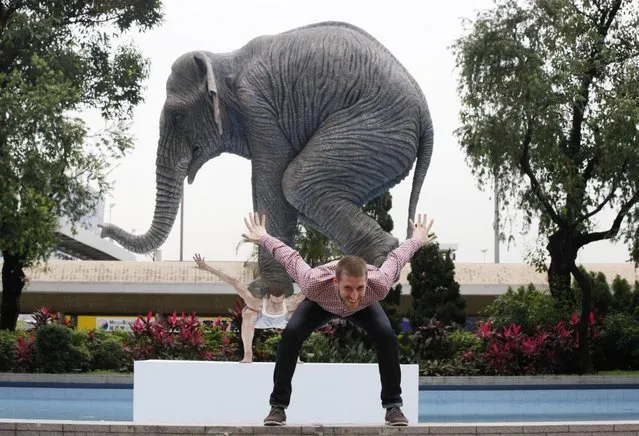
x=176 y=118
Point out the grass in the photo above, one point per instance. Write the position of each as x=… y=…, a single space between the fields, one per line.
x=105 y=372
x=617 y=372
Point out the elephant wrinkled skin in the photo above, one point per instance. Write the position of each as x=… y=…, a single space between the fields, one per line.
x=327 y=116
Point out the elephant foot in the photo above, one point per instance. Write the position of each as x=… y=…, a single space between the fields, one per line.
x=378 y=253
x=258 y=287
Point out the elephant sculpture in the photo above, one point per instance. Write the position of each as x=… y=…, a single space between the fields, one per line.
x=329 y=118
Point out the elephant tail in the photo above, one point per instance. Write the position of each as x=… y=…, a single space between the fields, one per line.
x=424 y=153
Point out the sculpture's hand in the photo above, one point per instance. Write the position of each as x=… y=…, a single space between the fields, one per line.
x=421 y=230
x=199 y=260
x=256 y=227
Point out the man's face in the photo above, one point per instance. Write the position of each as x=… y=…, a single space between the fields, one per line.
x=351 y=290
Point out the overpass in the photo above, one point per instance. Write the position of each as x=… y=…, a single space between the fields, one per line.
x=88 y=245
x=130 y=288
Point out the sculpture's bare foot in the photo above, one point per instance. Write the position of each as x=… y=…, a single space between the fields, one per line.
x=247 y=359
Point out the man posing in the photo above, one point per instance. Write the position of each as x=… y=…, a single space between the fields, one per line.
x=348 y=288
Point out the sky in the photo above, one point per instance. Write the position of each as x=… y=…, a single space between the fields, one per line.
x=419 y=33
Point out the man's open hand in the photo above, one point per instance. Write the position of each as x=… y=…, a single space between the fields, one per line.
x=421 y=229
x=256 y=227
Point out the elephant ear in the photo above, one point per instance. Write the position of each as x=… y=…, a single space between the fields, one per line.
x=206 y=65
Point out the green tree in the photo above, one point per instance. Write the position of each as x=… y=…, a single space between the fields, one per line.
x=433 y=288
x=528 y=307
x=58 y=59
x=601 y=297
x=550 y=108
x=314 y=247
x=622 y=301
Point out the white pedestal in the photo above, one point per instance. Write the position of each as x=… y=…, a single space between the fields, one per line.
x=232 y=393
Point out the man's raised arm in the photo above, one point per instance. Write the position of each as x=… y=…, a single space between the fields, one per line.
x=381 y=281
x=290 y=259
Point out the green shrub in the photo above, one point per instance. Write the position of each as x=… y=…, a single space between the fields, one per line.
x=431 y=341
x=53 y=345
x=79 y=354
x=622 y=298
x=462 y=341
x=270 y=347
x=8 y=342
x=602 y=300
x=316 y=348
x=265 y=344
x=618 y=344
x=435 y=292
x=407 y=352
x=355 y=352
x=60 y=349
x=527 y=307
x=108 y=353
x=447 y=367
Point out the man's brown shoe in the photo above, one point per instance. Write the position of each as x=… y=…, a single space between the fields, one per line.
x=395 y=417
x=277 y=416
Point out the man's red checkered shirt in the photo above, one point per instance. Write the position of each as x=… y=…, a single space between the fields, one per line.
x=317 y=283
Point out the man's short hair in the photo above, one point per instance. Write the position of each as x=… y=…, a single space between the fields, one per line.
x=352 y=266
x=275 y=290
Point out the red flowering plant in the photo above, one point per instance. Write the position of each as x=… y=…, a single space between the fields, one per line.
x=237 y=314
x=45 y=315
x=222 y=342
x=175 y=338
x=509 y=351
x=24 y=353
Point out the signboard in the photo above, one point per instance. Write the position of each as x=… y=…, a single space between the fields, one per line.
x=110 y=324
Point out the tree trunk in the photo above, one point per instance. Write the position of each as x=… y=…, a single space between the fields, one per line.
x=13 y=280
x=562 y=256
x=584 y=323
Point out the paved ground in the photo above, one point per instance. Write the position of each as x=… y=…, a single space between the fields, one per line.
x=60 y=428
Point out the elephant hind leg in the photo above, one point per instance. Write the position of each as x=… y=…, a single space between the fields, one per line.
x=335 y=174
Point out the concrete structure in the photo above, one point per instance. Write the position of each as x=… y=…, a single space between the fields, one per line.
x=313 y=384
x=87 y=244
x=71 y=428
x=133 y=288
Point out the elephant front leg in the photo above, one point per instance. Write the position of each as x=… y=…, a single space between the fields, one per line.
x=333 y=176
x=271 y=152
x=281 y=221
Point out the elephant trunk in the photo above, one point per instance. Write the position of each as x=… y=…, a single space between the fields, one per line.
x=169 y=187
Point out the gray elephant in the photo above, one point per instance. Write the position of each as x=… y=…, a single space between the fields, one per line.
x=329 y=119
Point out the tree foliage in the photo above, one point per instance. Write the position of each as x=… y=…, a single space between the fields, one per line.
x=550 y=107
x=57 y=60
x=314 y=246
x=433 y=288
